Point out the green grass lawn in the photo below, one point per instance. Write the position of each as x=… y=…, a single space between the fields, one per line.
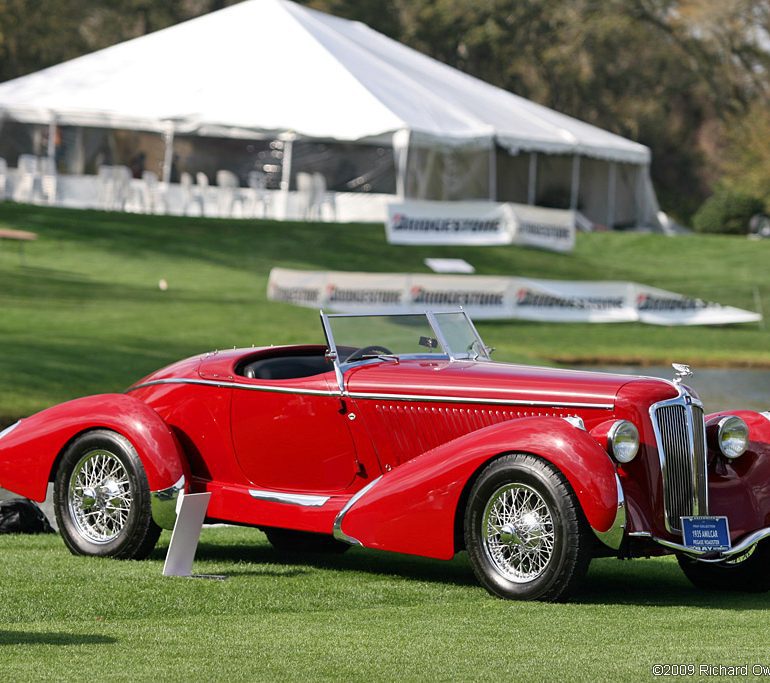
x=364 y=615
x=85 y=315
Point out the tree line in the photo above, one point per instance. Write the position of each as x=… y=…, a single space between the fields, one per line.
x=688 y=78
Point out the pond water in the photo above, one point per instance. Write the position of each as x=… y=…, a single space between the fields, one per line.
x=719 y=388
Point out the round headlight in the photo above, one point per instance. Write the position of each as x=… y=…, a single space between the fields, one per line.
x=732 y=436
x=623 y=441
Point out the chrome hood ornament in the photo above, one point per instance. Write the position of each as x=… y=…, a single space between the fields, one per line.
x=681 y=371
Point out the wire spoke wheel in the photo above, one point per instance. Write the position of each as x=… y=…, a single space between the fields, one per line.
x=524 y=530
x=100 y=496
x=518 y=532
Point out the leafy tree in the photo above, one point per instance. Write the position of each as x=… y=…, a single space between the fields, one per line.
x=746 y=154
x=31 y=39
x=727 y=212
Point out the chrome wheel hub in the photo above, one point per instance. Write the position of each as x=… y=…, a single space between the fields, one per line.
x=517 y=532
x=100 y=496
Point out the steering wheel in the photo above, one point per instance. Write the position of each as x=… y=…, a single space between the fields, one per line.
x=373 y=350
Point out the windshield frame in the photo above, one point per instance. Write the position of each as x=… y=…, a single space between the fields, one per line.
x=432 y=318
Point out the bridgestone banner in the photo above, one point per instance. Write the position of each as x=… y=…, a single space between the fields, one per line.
x=497 y=298
x=480 y=224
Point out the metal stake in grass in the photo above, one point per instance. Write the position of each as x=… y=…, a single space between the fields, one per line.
x=191 y=511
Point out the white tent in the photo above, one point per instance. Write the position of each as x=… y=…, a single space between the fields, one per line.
x=266 y=68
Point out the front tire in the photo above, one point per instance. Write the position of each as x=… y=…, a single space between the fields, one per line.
x=102 y=498
x=748 y=573
x=525 y=532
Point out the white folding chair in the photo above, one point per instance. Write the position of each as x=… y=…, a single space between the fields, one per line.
x=121 y=176
x=305 y=194
x=202 y=190
x=154 y=193
x=322 y=197
x=26 y=177
x=105 y=187
x=48 y=180
x=189 y=196
x=258 y=194
x=227 y=193
x=3 y=177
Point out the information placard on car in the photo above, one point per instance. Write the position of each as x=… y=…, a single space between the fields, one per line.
x=706 y=533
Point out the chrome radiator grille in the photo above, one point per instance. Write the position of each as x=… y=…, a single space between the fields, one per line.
x=681 y=438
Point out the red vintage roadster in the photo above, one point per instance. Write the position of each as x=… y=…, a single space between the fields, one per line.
x=400 y=433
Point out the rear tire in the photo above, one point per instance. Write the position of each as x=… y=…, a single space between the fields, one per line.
x=102 y=498
x=290 y=542
x=749 y=573
x=525 y=533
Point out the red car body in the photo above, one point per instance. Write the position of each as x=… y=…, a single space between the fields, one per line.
x=385 y=452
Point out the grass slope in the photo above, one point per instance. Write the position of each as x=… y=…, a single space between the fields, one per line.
x=85 y=314
x=362 y=616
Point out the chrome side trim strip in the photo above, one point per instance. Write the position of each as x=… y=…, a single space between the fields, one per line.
x=706 y=555
x=9 y=429
x=376 y=397
x=163 y=504
x=290 y=498
x=339 y=534
x=613 y=537
x=234 y=385
x=484 y=401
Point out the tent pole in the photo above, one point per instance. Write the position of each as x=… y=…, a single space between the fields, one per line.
x=532 y=187
x=641 y=208
x=401 y=154
x=51 y=151
x=575 y=186
x=168 y=155
x=288 y=150
x=78 y=164
x=493 y=171
x=611 y=183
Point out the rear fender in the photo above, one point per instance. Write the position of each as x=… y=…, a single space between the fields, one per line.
x=29 y=451
x=413 y=508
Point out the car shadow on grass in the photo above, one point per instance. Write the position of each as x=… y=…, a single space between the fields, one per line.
x=651 y=583
x=657 y=583
x=370 y=561
x=46 y=638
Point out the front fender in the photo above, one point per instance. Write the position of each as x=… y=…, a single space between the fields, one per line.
x=29 y=451
x=412 y=509
x=740 y=488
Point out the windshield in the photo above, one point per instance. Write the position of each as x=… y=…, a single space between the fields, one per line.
x=358 y=337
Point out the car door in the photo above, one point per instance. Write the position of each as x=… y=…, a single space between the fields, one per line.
x=292 y=435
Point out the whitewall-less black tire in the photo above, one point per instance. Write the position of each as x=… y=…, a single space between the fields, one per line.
x=747 y=573
x=525 y=533
x=102 y=498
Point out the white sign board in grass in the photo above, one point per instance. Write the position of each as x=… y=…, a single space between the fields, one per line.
x=498 y=298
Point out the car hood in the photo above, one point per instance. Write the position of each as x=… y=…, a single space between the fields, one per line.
x=495 y=381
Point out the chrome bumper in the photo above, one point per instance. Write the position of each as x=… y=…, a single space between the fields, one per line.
x=163 y=504
x=707 y=555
